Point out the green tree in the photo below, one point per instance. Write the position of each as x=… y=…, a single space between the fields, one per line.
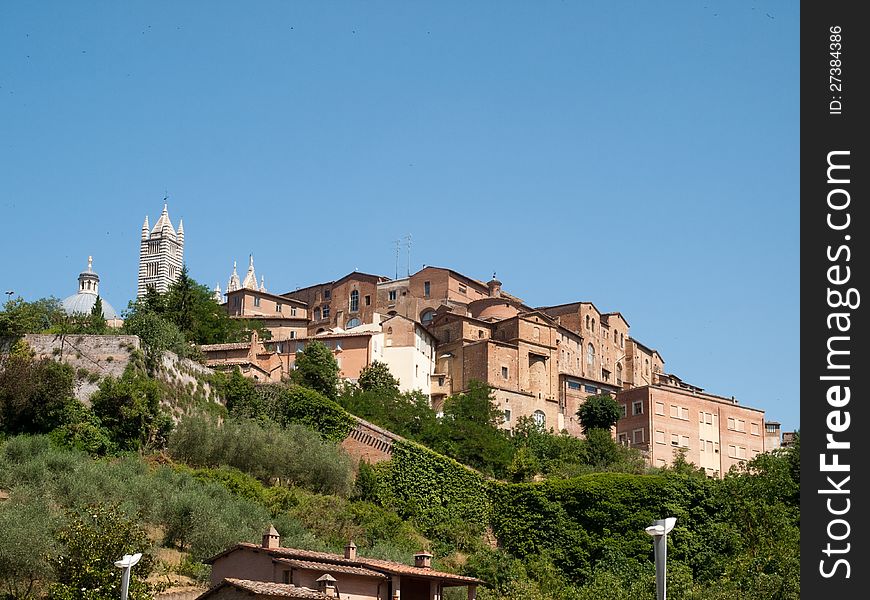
x=317 y=369
x=598 y=412
x=96 y=321
x=19 y=316
x=378 y=378
x=469 y=431
x=34 y=394
x=93 y=540
x=129 y=409
x=27 y=548
x=156 y=334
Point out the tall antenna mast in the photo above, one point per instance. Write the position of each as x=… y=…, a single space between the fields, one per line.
x=408 y=238
x=398 y=245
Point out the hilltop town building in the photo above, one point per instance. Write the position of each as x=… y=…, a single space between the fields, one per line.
x=161 y=254
x=670 y=416
x=438 y=330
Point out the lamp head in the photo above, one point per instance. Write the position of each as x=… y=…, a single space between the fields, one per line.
x=128 y=561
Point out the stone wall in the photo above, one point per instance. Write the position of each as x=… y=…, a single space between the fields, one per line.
x=369 y=442
x=94 y=357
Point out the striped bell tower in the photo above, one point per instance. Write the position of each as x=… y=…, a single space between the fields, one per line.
x=161 y=254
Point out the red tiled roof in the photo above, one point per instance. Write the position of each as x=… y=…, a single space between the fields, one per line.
x=266 y=588
x=327 y=568
x=384 y=566
x=232 y=346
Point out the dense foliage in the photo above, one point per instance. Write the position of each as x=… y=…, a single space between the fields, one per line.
x=317 y=369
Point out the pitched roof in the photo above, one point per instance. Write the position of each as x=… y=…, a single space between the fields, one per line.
x=327 y=568
x=266 y=588
x=231 y=346
x=384 y=566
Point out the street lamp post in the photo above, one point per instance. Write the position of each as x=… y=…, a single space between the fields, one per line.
x=659 y=531
x=127 y=564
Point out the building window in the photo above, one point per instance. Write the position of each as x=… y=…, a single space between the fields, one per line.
x=480 y=333
x=754 y=428
x=327 y=294
x=316 y=314
x=277 y=307
x=587 y=321
x=770 y=428
x=684 y=441
x=292 y=335
x=507 y=415
x=353 y=323
x=593 y=325
x=368 y=300
x=590 y=389
x=590 y=355
x=679 y=412
x=660 y=408
x=622 y=438
x=637 y=408
x=573 y=385
x=675 y=439
x=462 y=289
x=504 y=372
x=325 y=311
x=354 y=301
x=540 y=418
x=392 y=295
x=660 y=436
x=426 y=289
x=256 y=301
x=624 y=409
x=637 y=436
x=427 y=317
x=292 y=311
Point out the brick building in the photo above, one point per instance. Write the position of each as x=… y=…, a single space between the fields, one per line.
x=670 y=416
x=269 y=570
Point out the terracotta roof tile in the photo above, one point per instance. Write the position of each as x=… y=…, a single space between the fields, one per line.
x=385 y=566
x=267 y=588
x=233 y=346
x=327 y=568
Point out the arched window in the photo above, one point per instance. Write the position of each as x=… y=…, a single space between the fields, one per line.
x=316 y=314
x=590 y=355
x=646 y=366
x=354 y=301
x=427 y=316
x=618 y=374
x=540 y=418
x=587 y=321
x=351 y=323
x=593 y=325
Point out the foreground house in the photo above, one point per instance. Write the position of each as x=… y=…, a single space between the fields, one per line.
x=268 y=570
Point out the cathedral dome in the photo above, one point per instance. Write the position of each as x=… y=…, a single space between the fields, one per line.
x=83 y=302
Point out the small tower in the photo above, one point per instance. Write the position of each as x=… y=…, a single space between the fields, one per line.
x=326 y=585
x=262 y=283
x=423 y=560
x=350 y=551
x=250 y=281
x=271 y=539
x=161 y=254
x=216 y=294
x=89 y=282
x=233 y=284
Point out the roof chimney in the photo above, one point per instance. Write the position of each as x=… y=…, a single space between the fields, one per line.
x=494 y=286
x=271 y=539
x=350 y=551
x=423 y=560
x=326 y=585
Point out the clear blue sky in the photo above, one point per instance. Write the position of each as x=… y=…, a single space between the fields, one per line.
x=639 y=155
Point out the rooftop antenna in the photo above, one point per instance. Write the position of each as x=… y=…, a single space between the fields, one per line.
x=408 y=238
x=398 y=245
